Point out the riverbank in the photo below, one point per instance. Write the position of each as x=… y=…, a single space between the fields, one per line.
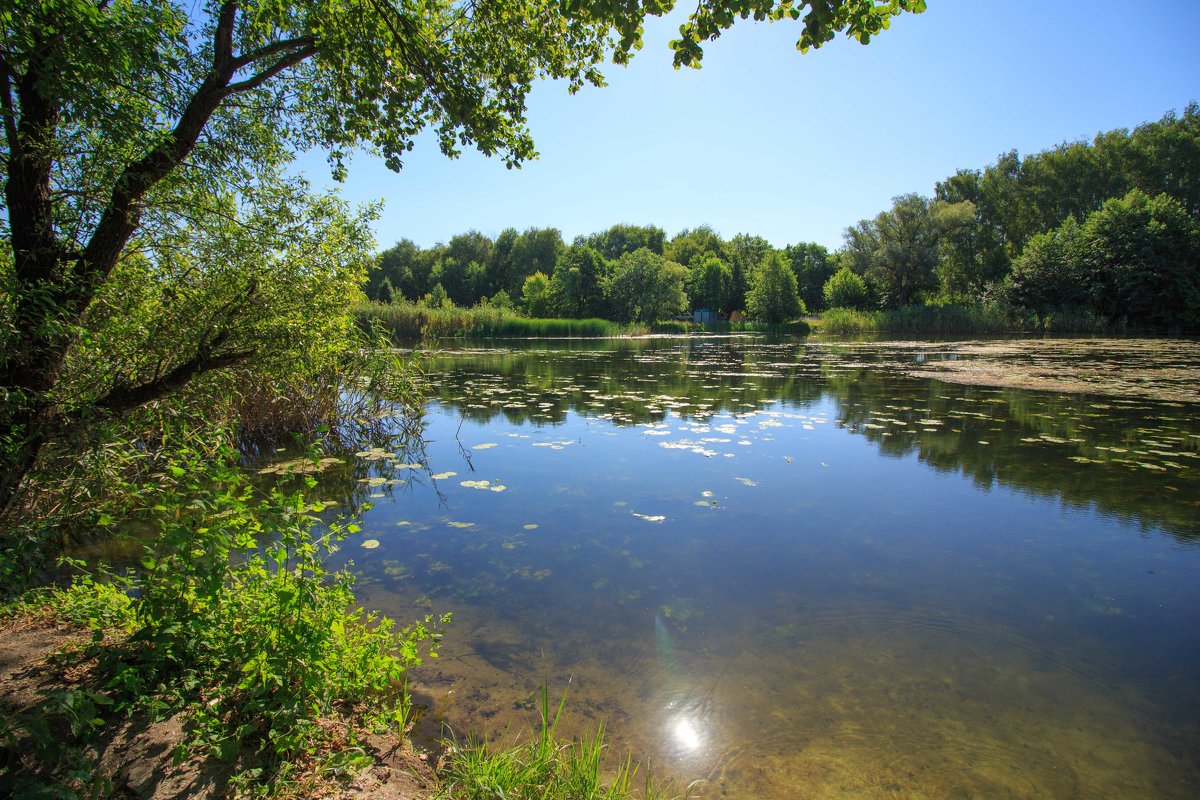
x=48 y=681
x=61 y=738
x=956 y=320
x=407 y=322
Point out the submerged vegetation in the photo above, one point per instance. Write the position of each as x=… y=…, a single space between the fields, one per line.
x=542 y=768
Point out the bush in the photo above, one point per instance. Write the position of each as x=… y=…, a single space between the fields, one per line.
x=406 y=322
x=773 y=296
x=1141 y=260
x=845 y=289
x=235 y=621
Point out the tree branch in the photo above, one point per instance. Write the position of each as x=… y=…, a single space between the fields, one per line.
x=126 y=398
x=290 y=60
x=269 y=50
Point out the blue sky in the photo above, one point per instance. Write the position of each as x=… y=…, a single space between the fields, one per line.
x=795 y=147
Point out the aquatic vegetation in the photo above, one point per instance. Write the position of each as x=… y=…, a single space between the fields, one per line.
x=876 y=566
x=300 y=466
x=543 y=767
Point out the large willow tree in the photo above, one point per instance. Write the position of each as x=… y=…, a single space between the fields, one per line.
x=129 y=124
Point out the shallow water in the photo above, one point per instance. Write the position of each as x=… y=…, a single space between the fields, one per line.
x=795 y=570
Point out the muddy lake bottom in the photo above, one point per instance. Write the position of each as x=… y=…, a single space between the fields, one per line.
x=807 y=569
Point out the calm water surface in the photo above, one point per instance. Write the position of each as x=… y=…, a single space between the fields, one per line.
x=786 y=569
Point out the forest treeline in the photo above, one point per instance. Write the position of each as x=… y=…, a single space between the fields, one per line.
x=1106 y=229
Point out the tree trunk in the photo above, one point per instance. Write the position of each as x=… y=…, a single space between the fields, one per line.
x=29 y=434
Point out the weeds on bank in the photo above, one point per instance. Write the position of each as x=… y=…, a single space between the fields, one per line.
x=958 y=320
x=411 y=322
x=543 y=768
x=234 y=620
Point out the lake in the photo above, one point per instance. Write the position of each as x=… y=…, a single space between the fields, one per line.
x=811 y=569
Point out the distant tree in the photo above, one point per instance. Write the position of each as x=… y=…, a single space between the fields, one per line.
x=1140 y=260
x=401 y=265
x=436 y=298
x=501 y=299
x=500 y=267
x=642 y=286
x=710 y=284
x=844 y=289
x=692 y=245
x=897 y=252
x=1047 y=275
x=812 y=265
x=773 y=296
x=536 y=298
x=477 y=282
x=744 y=253
x=534 y=250
x=861 y=247
x=576 y=282
x=621 y=239
x=451 y=274
x=470 y=283
x=1017 y=198
x=966 y=265
x=385 y=292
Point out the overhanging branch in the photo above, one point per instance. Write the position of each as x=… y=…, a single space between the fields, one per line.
x=125 y=398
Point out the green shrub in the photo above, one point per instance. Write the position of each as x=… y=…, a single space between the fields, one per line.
x=407 y=322
x=848 y=320
x=233 y=619
x=846 y=289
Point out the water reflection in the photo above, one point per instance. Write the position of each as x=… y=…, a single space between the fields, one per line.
x=1132 y=458
x=781 y=568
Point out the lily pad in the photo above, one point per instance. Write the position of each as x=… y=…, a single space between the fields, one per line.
x=369 y=544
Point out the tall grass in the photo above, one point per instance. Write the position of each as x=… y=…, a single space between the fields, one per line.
x=957 y=320
x=543 y=768
x=410 y=322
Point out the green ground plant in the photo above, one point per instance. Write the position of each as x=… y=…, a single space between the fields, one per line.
x=959 y=320
x=542 y=768
x=233 y=619
x=410 y=322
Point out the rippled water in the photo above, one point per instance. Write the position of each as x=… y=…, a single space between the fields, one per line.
x=789 y=569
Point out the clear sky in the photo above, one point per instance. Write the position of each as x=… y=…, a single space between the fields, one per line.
x=793 y=147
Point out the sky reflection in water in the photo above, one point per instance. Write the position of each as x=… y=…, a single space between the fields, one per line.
x=793 y=570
